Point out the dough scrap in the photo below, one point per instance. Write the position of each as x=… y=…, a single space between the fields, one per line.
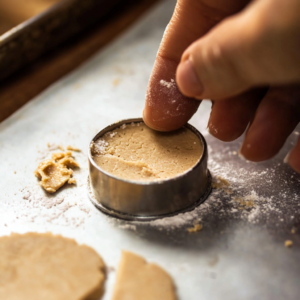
x=139 y=280
x=220 y=183
x=71 y=148
x=197 y=227
x=37 y=266
x=55 y=172
x=288 y=243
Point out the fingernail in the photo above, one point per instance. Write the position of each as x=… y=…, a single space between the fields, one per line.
x=286 y=159
x=241 y=155
x=242 y=148
x=188 y=80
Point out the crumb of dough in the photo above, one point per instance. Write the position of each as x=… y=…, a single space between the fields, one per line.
x=55 y=172
x=137 y=279
x=213 y=261
x=293 y=230
x=73 y=149
x=197 y=227
x=43 y=266
x=72 y=181
x=244 y=203
x=288 y=243
x=220 y=183
x=116 y=82
x=60 y=147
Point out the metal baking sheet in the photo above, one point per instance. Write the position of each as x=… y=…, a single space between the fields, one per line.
x=240 y=252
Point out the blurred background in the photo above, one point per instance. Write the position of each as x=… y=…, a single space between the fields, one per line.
x=14 y=12
x=43 y=40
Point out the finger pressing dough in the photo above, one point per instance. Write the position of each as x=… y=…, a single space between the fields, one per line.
x=45 y=267
x=138 y=280
x=55 y=172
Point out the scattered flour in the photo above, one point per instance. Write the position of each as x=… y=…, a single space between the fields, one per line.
x=50 y=147
x=241 y=193
x=127 y=226
x=54 y=147
x=112 y=134
x=32 y=204
x=98 y=147
x=167 y=84
x=43 y=201
x=39 y=206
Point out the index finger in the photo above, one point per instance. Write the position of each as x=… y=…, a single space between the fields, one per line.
x=166 y=108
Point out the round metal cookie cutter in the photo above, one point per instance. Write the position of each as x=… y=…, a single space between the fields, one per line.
x=145 y=201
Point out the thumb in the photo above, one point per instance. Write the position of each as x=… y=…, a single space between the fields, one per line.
x=258 y=46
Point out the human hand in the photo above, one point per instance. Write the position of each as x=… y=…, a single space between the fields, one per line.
x=245 y=58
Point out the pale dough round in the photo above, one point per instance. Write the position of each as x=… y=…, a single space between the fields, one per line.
x=46 y=267
x=139 y=280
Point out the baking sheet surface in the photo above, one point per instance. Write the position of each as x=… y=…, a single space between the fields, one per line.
x=240 y=252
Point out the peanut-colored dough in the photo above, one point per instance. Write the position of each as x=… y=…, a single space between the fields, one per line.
x=196 y=228
x=45 y=267
x=288 y=243
x=137 y=152
x=71 y=148
x=54 y=172
x=138 y=280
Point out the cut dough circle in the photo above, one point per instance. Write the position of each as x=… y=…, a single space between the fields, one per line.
x=37 y=266
x=137 y=279
x=136 y=152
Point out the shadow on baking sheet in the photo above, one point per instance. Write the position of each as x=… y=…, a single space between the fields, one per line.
x=247 y=198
